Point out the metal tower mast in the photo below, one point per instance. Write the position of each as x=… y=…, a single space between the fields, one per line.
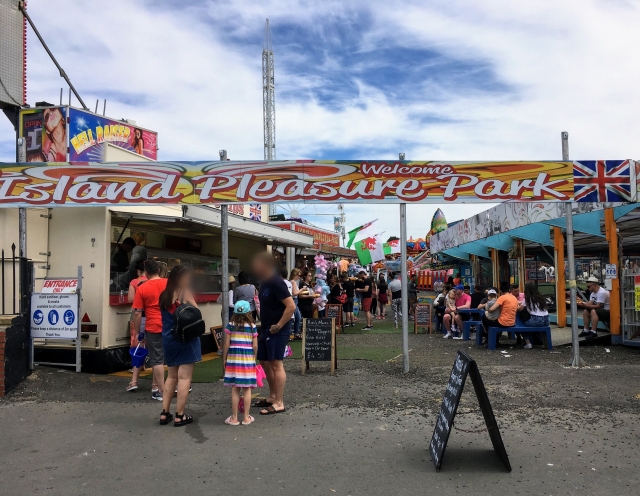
x=268 y=101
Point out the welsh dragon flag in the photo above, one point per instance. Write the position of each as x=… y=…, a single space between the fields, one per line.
x=370 y=249
x=360 y=232
x=392 y=247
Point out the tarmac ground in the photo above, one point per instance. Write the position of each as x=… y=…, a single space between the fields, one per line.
x=364 y=431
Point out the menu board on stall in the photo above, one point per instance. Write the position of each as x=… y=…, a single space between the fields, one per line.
x=462 y=367
x=422 y=317
x=334 y=311
x=319 y=343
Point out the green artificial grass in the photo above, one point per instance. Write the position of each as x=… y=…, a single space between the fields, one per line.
x=212 y=370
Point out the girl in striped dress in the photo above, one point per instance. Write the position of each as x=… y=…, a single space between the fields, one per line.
x=240 y=348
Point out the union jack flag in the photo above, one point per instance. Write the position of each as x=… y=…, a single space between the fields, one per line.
x=255 y=212
x=602 y=181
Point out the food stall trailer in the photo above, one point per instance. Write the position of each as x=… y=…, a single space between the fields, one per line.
x=62 y=239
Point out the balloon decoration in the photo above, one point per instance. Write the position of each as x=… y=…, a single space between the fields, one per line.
x=322 y=267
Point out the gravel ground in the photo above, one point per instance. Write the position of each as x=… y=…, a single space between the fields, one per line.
x=364 y=431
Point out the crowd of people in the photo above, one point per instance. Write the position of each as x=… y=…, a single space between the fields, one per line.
x=506 y=307
x=156 y=301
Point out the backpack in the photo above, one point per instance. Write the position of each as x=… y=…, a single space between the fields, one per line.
x=188 y=323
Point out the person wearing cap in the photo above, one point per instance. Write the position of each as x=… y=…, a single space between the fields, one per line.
x=595 y=310
x=452 y=317
x=239 y=359
x=492 y=296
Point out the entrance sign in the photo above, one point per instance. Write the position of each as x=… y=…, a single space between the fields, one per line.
x=319 y=343
x=193 y=183
x=65 y=286
x=462 y=367
x=54 y=316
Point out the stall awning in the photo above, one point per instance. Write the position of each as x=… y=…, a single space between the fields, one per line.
x=239 y=227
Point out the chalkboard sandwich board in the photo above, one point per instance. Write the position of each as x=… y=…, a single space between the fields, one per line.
x=334 y=311
x=218 y=336
x=319 y=343
x=422 y=317
x=463 y=367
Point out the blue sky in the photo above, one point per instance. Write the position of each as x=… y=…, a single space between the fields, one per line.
x=436 y=79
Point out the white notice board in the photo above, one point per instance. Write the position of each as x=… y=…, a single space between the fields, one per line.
x=54 y=315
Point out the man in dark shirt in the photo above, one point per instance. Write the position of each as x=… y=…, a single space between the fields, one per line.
x=366 y=291
x=276 y=309
x=350 y=289
x=477 y=296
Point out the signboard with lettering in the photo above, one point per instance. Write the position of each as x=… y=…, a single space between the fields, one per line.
x=611 y=271
x=320 y=236
x=422 y=317
x=319 y=343
x=334 y=311
x=285 y=181
x=54 y=316
x=64 y=286
x=464 y=366
x=636 y=280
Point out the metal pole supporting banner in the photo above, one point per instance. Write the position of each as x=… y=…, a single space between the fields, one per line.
x=224 y=225
x=79 y=321
x=575 y=345
x=405 y=285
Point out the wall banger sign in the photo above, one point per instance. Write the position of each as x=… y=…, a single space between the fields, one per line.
x=283 y=181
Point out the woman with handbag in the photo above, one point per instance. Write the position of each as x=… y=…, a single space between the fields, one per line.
x=181 y=350
x=338 y=295
x=534 y=312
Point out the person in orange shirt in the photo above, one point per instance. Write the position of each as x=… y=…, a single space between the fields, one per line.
x=508 y=305
x=344 y=265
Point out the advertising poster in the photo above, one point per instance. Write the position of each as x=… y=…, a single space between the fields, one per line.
x=304 y=181
x=88 y=133
x=45 y=132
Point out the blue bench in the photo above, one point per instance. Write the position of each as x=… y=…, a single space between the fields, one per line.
x=476 y=314
x=517 y=329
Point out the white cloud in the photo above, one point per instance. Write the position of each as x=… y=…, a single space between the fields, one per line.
x=564 y=64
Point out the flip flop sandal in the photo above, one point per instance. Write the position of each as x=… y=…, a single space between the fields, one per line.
x=167 y=418
x=229 y=422
x=270 y=410
x=184 y=420
x=262 y=404
x=251 y=421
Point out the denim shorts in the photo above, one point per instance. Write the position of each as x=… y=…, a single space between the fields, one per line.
x=537 y=321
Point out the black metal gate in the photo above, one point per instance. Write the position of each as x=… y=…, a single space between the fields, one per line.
x=16 y=283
